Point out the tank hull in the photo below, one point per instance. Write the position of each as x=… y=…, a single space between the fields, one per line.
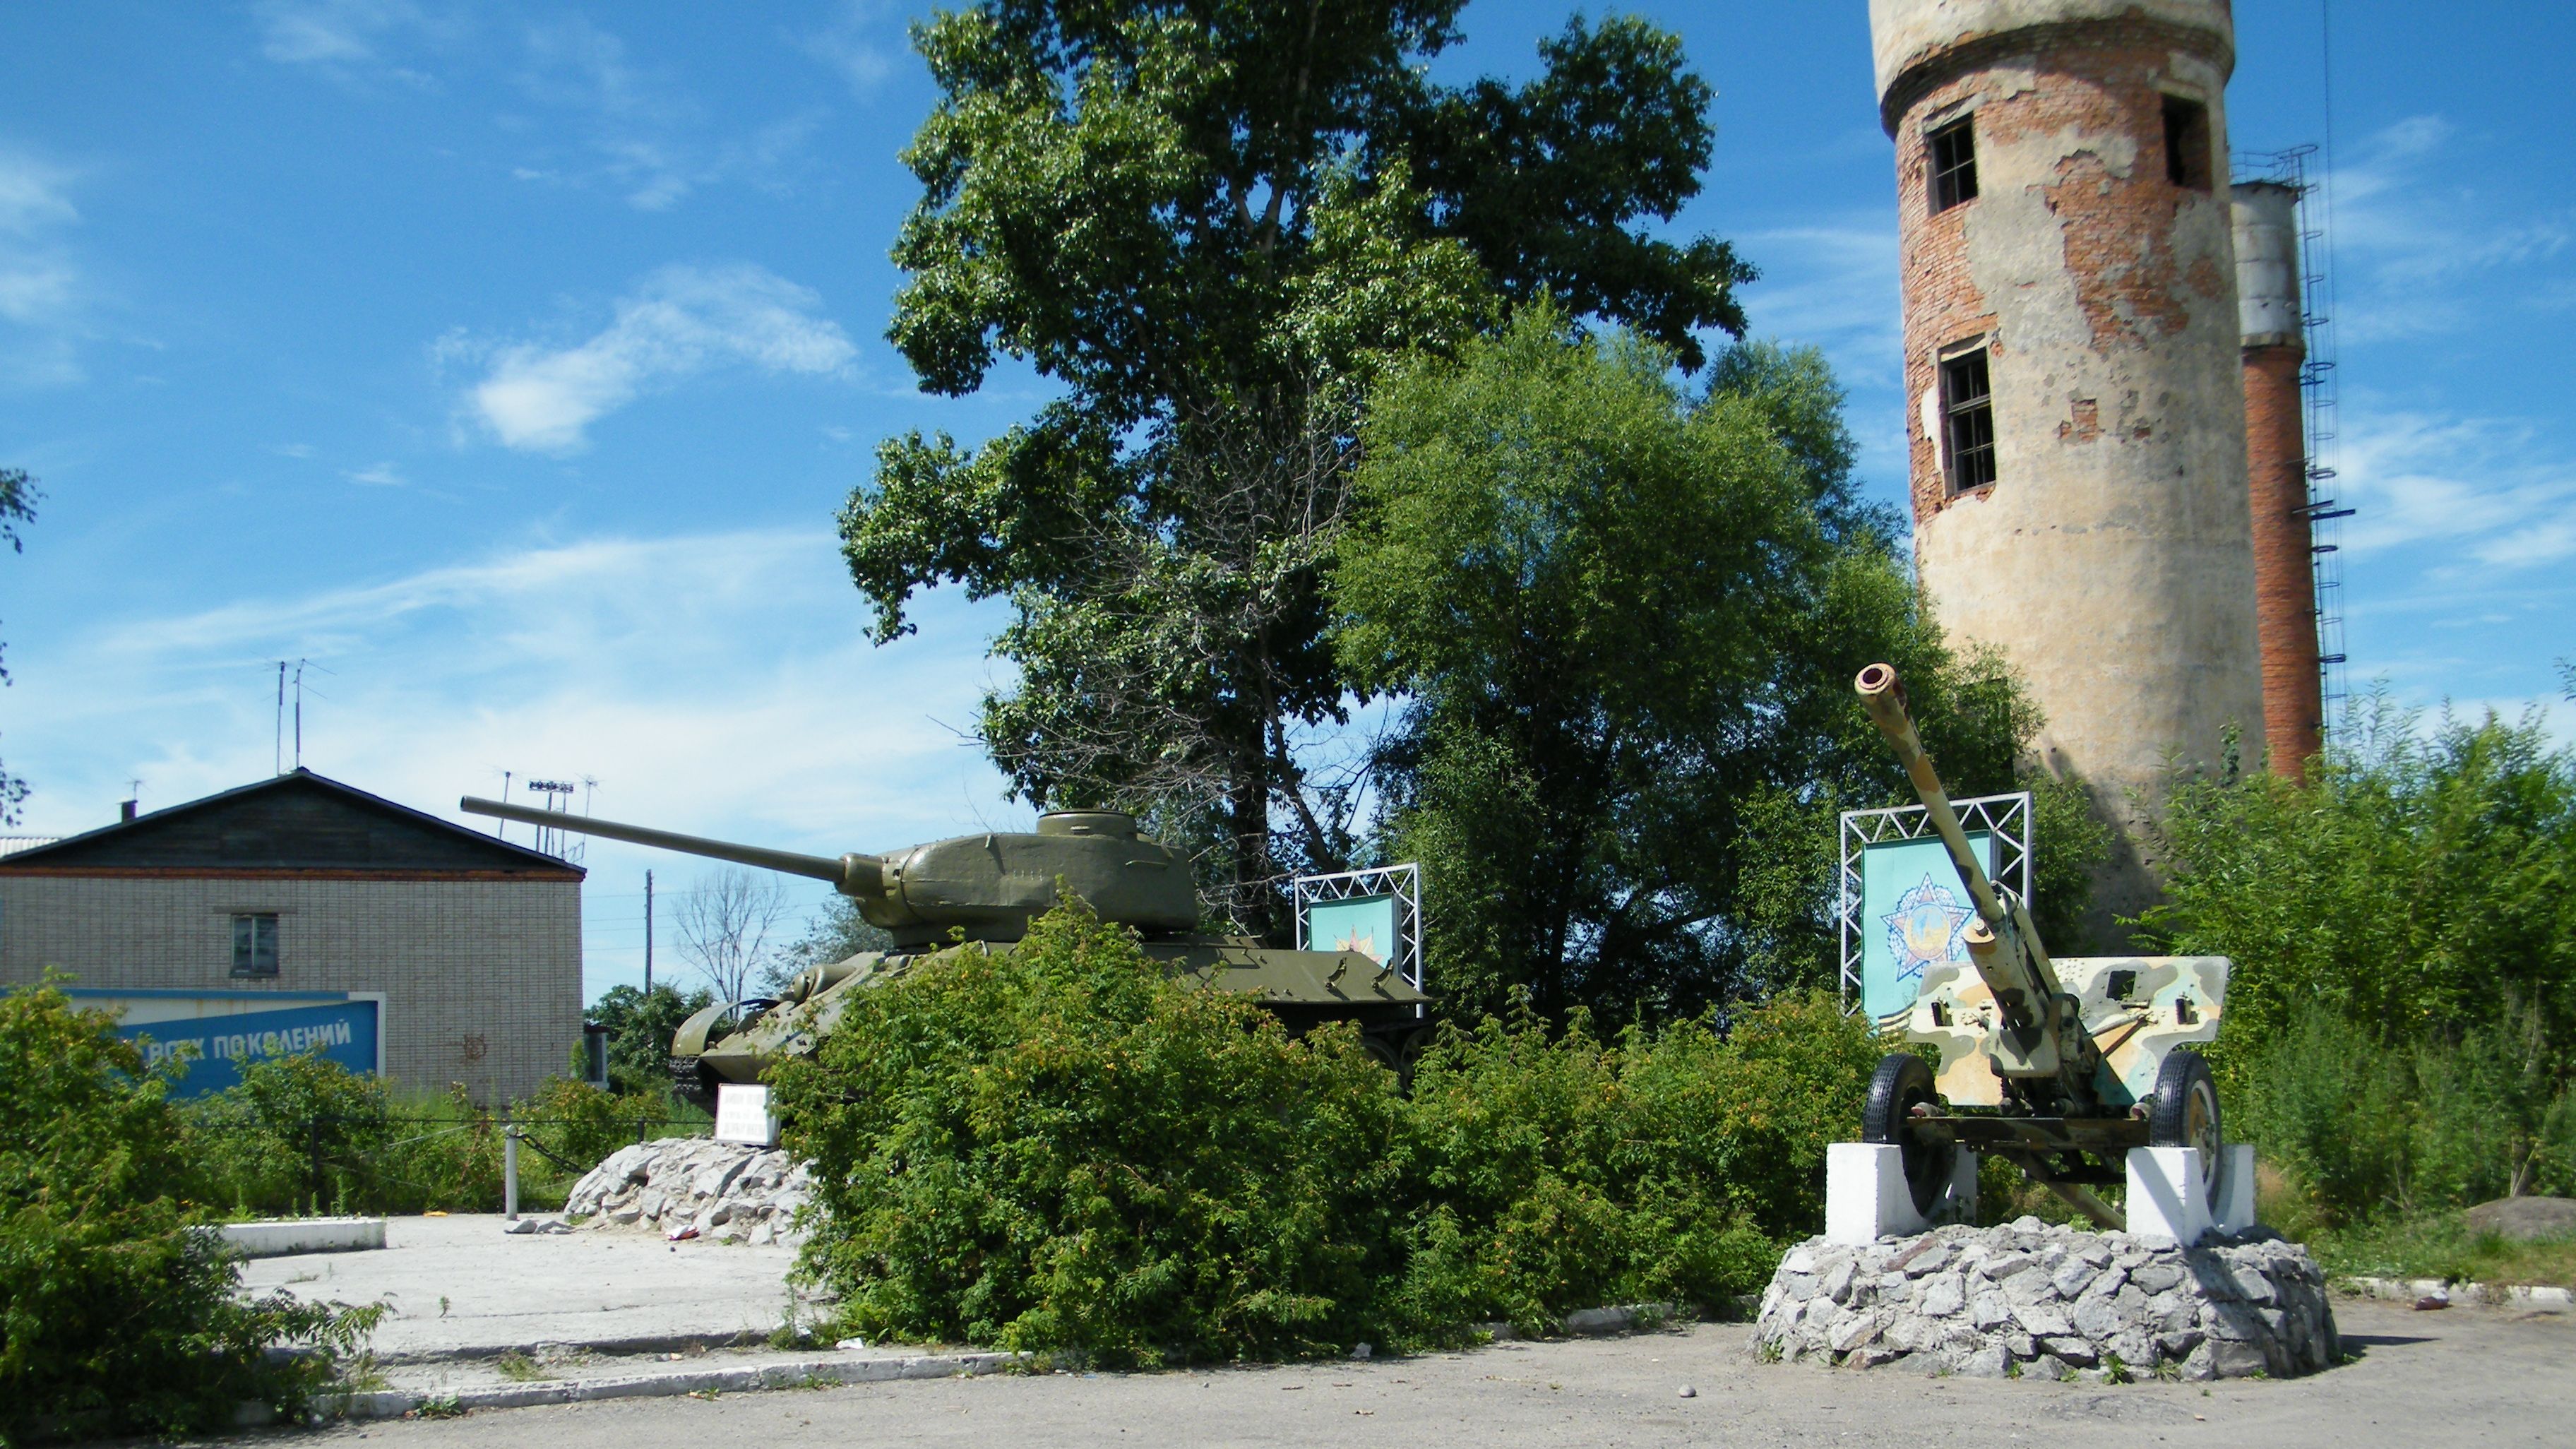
x=1304 y=989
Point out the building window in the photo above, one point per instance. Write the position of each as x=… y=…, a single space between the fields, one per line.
x=1968 y=416
x=255 y=945
x=1954 y=164
x=2187 y=143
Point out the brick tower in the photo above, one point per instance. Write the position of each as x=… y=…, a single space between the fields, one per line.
x=2072 y=361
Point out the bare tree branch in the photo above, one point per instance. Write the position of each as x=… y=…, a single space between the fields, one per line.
x=725 y=925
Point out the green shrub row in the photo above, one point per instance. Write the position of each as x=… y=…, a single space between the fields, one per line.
x=121 y=1313
x=302 y=1134
x=1059 y=1149
x=2401 y=1023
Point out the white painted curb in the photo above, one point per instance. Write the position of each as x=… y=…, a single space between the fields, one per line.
x=279 y=1237
x=2539 y=1298
x=799 y=1373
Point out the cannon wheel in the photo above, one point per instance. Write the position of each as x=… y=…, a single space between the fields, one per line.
x=1903 y=1082
x=2184 y=1113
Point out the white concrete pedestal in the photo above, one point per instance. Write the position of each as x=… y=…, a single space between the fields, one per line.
x=2167 y=1198
x=1866 y=1198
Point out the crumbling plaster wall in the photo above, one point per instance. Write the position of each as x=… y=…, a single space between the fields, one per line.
x=2111 y=560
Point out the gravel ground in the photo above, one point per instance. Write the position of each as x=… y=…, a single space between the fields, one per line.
x=2456 y=1377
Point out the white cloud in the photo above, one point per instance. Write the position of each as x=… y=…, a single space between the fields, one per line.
x=328 y=32
x=681 y=321
x=2487 y=490
x=43 y=295
x=851 y=47
x=2417 y=242
x=380 y=475
x=714 y=683
x=647 y=133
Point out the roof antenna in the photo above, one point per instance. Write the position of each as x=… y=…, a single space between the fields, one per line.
x=277 y=760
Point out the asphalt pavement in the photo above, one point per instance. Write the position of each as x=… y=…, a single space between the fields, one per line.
x=2461 y=1376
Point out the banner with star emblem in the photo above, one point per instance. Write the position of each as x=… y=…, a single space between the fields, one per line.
x=1913 y=906
x=1365 y=924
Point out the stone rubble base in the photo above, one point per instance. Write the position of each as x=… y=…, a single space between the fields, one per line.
x=725 y=1190
x=2053 y=1302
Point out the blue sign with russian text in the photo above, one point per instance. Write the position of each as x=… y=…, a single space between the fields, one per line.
x=219 y=1031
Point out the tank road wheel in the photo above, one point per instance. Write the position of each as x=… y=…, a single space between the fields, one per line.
x=1902 y=1083
x=2184 y=1113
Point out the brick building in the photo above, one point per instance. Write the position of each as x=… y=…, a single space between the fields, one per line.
x=298 y=890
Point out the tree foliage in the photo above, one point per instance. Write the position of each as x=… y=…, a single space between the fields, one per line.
x=1208 y=224
x=121 y=1313
x=640 y=1026
x=2416 y=881
x=2401 y=1019
x=1058 y=1148
x=1626 y=621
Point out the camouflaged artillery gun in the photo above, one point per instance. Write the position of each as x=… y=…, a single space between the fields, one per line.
x=2059 y=1065
x=978 y=892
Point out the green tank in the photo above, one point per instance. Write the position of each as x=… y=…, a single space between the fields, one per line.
x=978 y=892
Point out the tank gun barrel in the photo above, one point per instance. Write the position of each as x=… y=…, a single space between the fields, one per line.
x=853 y=874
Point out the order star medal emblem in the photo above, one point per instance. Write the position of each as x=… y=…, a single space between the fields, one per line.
x=1923 y=930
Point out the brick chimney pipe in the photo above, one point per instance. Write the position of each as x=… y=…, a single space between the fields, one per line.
x=2285 y=596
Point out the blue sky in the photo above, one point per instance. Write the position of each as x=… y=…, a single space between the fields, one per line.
x=510 y=364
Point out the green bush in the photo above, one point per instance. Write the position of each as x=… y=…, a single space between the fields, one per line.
x=1560 y=1172
x=1057 y=1148
x=2358 y=1130
x=121 y=1310
x=303 y=1134
x=2401 y=1022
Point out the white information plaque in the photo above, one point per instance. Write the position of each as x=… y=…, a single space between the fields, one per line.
x=743 y=1115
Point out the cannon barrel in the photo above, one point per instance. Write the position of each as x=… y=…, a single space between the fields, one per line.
x=1883 y=695
x=852 y=874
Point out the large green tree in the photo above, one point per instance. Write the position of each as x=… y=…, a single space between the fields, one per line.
x=1626 y=622
x=1208 y=224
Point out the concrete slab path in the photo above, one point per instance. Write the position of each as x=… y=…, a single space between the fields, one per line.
x=460 y=1287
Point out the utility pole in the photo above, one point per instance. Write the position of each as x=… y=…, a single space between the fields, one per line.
x=648 y=933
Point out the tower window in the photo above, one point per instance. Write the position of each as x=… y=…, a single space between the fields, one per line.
x=1968 y=414
x=255 y=945
x=1953 y=151
x=2187 y=143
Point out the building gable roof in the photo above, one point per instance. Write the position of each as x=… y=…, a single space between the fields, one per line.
x=293 y=824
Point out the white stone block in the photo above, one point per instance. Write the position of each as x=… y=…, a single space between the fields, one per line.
x=2234 y=1210
x=2166 y=1196
x=1866 y=1198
